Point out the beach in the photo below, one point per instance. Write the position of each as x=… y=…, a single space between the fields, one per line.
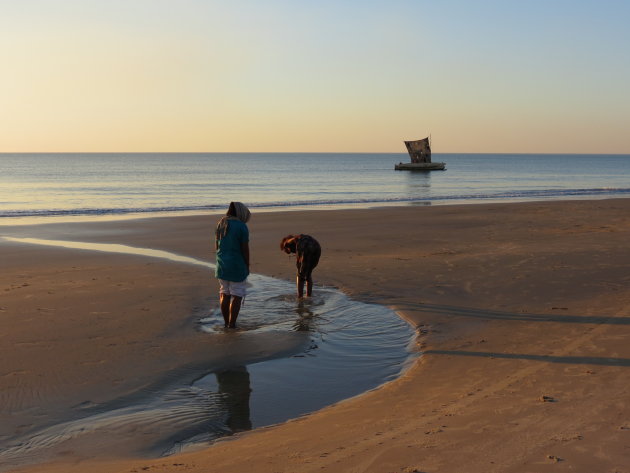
x=521 y=312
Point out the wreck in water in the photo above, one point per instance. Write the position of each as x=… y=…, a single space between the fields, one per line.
x=420 y=154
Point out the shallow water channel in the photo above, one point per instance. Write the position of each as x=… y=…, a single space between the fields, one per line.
x=350 y=348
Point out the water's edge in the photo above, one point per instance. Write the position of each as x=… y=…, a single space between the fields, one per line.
x=353 y=348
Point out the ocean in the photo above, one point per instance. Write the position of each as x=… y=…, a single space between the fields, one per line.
x=93 y=184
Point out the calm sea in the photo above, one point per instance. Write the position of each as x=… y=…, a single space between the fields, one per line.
x=123 y=183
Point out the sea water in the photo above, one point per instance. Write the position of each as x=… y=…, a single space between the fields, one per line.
x=129 y=183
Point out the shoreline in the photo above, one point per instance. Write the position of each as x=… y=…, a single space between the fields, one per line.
x=512 y=301
x=96 y=217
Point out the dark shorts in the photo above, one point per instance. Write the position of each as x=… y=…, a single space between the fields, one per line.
x=307 y=263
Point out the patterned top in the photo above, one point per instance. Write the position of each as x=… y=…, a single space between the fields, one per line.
x=307 y=246
x=307 y=249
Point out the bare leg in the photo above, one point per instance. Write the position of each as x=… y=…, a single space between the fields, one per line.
x=225 y=307
x=300 y=287
x=309 y=286
x=235 y=308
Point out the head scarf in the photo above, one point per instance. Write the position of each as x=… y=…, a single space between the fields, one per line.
x=237 y=211
x=241 y=211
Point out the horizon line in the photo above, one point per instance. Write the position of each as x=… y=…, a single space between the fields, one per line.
x=318 y=152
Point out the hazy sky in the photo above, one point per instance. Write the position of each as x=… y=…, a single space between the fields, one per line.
x=314 y=75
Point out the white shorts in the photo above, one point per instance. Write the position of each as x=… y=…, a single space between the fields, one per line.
x=231 y=288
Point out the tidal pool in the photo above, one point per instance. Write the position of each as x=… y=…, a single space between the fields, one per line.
x=350 y=347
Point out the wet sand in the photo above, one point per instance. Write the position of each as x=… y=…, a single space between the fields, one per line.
x=522 y=311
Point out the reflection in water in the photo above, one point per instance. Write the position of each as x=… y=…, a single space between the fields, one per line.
x=418 y=186
x=235 y=390
x=419 y=182
x=306 y=319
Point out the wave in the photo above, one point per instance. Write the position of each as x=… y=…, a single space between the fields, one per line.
x=519 y=195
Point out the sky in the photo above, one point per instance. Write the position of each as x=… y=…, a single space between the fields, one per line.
x=500 y=76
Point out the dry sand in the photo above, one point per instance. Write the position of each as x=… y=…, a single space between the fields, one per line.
x=522 y=312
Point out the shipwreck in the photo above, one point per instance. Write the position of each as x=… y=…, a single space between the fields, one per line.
x=420 y=154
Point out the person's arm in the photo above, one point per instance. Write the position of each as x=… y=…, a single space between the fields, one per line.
x=245 y=252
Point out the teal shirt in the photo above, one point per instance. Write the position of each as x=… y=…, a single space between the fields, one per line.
x=230 y=262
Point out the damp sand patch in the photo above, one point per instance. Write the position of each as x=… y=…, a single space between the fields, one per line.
x=349 y=348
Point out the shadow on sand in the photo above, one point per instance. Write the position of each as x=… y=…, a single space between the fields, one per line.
x=487 y=314
x=575 y=360
x=517 y=317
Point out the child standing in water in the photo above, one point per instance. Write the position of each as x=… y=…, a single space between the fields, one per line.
x=308 y=252
x=232 y=247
